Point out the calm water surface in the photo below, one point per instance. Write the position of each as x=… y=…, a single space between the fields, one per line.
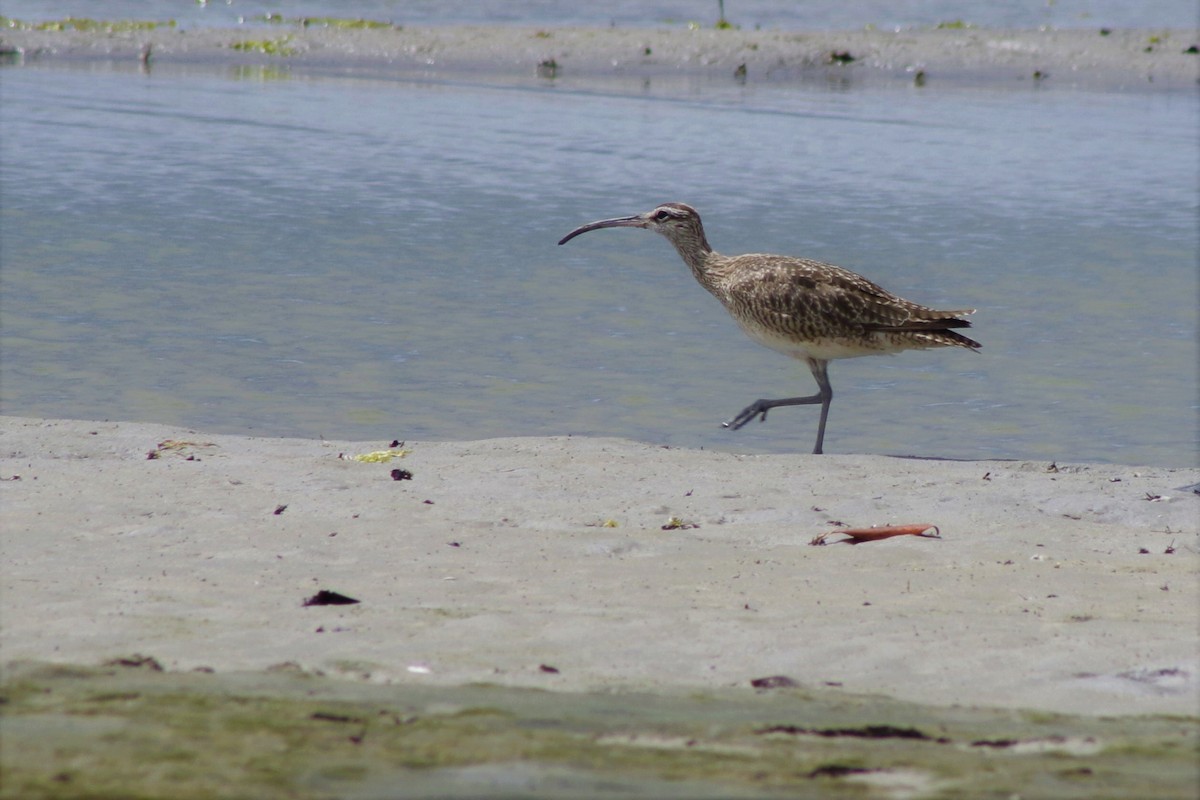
x=374 y=259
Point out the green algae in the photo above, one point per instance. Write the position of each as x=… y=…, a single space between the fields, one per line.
x=348 y=24
x=344 y=23
x=133 y=732
x=86 y=24
x=271 y=47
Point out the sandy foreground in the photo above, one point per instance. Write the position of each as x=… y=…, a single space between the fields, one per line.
x=1150 y=59
x=579 y=617
x=1067 y=588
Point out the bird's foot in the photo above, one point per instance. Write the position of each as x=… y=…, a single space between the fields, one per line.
x=758 y=408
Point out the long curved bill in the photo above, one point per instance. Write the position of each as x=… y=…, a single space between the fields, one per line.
x=636 y=221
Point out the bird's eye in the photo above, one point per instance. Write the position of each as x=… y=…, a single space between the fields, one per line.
x=662 y=216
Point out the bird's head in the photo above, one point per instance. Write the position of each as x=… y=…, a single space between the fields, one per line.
x=678 y=222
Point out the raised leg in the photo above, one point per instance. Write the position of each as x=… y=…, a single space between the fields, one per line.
x=759 y=408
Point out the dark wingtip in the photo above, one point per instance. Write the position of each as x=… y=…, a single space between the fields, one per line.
x=963 y=341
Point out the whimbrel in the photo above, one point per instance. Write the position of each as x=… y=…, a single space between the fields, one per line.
x=802 y=308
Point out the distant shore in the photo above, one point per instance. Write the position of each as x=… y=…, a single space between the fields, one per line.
x=1089 y=58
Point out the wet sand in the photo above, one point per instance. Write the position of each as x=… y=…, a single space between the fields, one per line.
x=1149 y=59
x=499 y=556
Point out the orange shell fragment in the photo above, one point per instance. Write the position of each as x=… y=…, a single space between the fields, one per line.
x=860 y=535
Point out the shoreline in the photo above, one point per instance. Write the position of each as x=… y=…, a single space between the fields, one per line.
x=1139 y=60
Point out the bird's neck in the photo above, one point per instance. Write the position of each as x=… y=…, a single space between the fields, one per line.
x=703 y=261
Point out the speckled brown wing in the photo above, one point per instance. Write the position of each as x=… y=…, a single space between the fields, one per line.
x=813 y=301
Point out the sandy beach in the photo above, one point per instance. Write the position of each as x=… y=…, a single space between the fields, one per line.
x=499 y=556
x=580 y=565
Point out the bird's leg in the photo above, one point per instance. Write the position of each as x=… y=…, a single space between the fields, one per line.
x=759 y=408
x=826 y=394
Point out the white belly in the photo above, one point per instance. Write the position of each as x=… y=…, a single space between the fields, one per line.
x=821 y=349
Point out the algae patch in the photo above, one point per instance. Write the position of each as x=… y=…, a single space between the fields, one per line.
x=279 y=46
x=125 y=731
x=344 y=23
x=85 y=24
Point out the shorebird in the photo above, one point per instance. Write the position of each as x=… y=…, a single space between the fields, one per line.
x=805 y=309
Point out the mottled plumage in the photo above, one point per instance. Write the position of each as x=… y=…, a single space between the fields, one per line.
x=806 y=309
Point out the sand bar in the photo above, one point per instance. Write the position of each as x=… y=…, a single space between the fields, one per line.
x=1068 y=587
x=1151 y=59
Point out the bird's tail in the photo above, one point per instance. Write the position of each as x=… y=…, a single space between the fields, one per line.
x=950 y=337
x=937 y=331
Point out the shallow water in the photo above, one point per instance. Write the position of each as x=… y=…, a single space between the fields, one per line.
x=241 y=250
